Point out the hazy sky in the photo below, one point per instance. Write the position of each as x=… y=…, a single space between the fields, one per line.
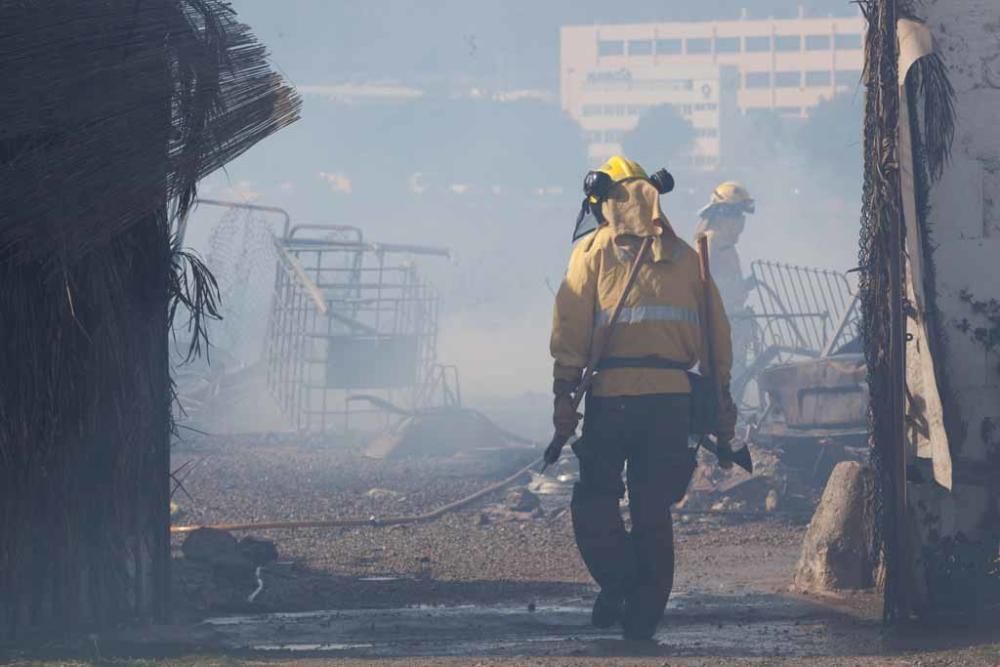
x=512 y=43
x=330 y=166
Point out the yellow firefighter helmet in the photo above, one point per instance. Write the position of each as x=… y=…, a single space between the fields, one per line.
x=729 y=197
x=599 y=182
x=619 y=168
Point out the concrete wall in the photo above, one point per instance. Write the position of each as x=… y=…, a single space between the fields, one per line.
x=965 y=225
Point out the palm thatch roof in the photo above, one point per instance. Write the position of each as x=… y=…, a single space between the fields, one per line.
x=163 y=91
x=111 y=112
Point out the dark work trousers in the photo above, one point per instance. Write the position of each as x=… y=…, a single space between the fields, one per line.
x=649 y=435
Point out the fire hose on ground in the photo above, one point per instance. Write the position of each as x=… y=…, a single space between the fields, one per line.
x=371 y=521
x=375 y=522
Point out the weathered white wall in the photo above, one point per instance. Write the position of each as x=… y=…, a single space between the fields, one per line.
x=965 y=225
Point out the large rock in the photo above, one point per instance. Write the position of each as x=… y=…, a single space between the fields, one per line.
x=522 y=500
x=258 y=551
x=217 y=548
x=835 y=553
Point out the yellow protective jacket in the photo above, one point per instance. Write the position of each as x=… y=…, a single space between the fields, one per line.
x=662 y=313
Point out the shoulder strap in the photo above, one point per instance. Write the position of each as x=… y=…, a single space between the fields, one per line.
x=597 y=352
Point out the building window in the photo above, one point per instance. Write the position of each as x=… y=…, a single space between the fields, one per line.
x=699 y=45
x=847 y=77
x=817 y=42
x=613 y=136
x=787 y=79
x=847 y=42
x=818 y=78
x=707 y=132
x=668 y=47
x=787 y=43
x=727 y=44
x=757 y=44
x=591 y=109
x=757 y=80
x=640 y=47
x=610 y=47
x=705 y=107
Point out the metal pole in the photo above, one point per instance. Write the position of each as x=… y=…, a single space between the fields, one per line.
x=897 y=360
x=896 y=595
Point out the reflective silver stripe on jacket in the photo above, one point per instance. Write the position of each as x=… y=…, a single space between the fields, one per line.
x=637 y=314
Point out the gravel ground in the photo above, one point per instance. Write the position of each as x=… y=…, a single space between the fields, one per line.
x=459 y=560
x=451 y=558
x=963 y=658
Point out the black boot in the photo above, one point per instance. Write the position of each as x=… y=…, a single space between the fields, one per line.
x=604 y=546
x=641 y=614
x=652 y=541
x=607 y=611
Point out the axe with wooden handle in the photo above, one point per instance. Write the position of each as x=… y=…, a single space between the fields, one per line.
x=722 y=450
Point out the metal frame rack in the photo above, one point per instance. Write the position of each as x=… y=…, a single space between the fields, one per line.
x=353 y=330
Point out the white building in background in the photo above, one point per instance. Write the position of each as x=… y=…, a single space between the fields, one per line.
x=609 y=74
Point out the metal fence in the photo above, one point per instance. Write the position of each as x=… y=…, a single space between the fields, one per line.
x=801 y=309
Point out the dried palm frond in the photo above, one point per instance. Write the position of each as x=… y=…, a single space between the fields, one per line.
x=194 y=289
x=123 y=64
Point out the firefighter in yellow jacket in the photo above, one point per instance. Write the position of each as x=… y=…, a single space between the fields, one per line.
x=638 y=409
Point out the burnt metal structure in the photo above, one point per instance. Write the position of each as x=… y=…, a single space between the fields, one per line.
x=802 y=308
x=351 y=326
x=803 y=389
x=353 y=330
x=242 y=257
x=794 y=313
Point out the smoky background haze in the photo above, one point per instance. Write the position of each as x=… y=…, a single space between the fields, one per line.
x=460 y=141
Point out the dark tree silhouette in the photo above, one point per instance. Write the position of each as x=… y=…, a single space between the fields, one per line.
x=661 y=135
x=830 y=138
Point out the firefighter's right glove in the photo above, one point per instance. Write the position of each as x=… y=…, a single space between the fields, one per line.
x=564 y=416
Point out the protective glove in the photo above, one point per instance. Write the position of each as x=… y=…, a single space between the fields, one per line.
x=564 y=417
x=727 y=418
